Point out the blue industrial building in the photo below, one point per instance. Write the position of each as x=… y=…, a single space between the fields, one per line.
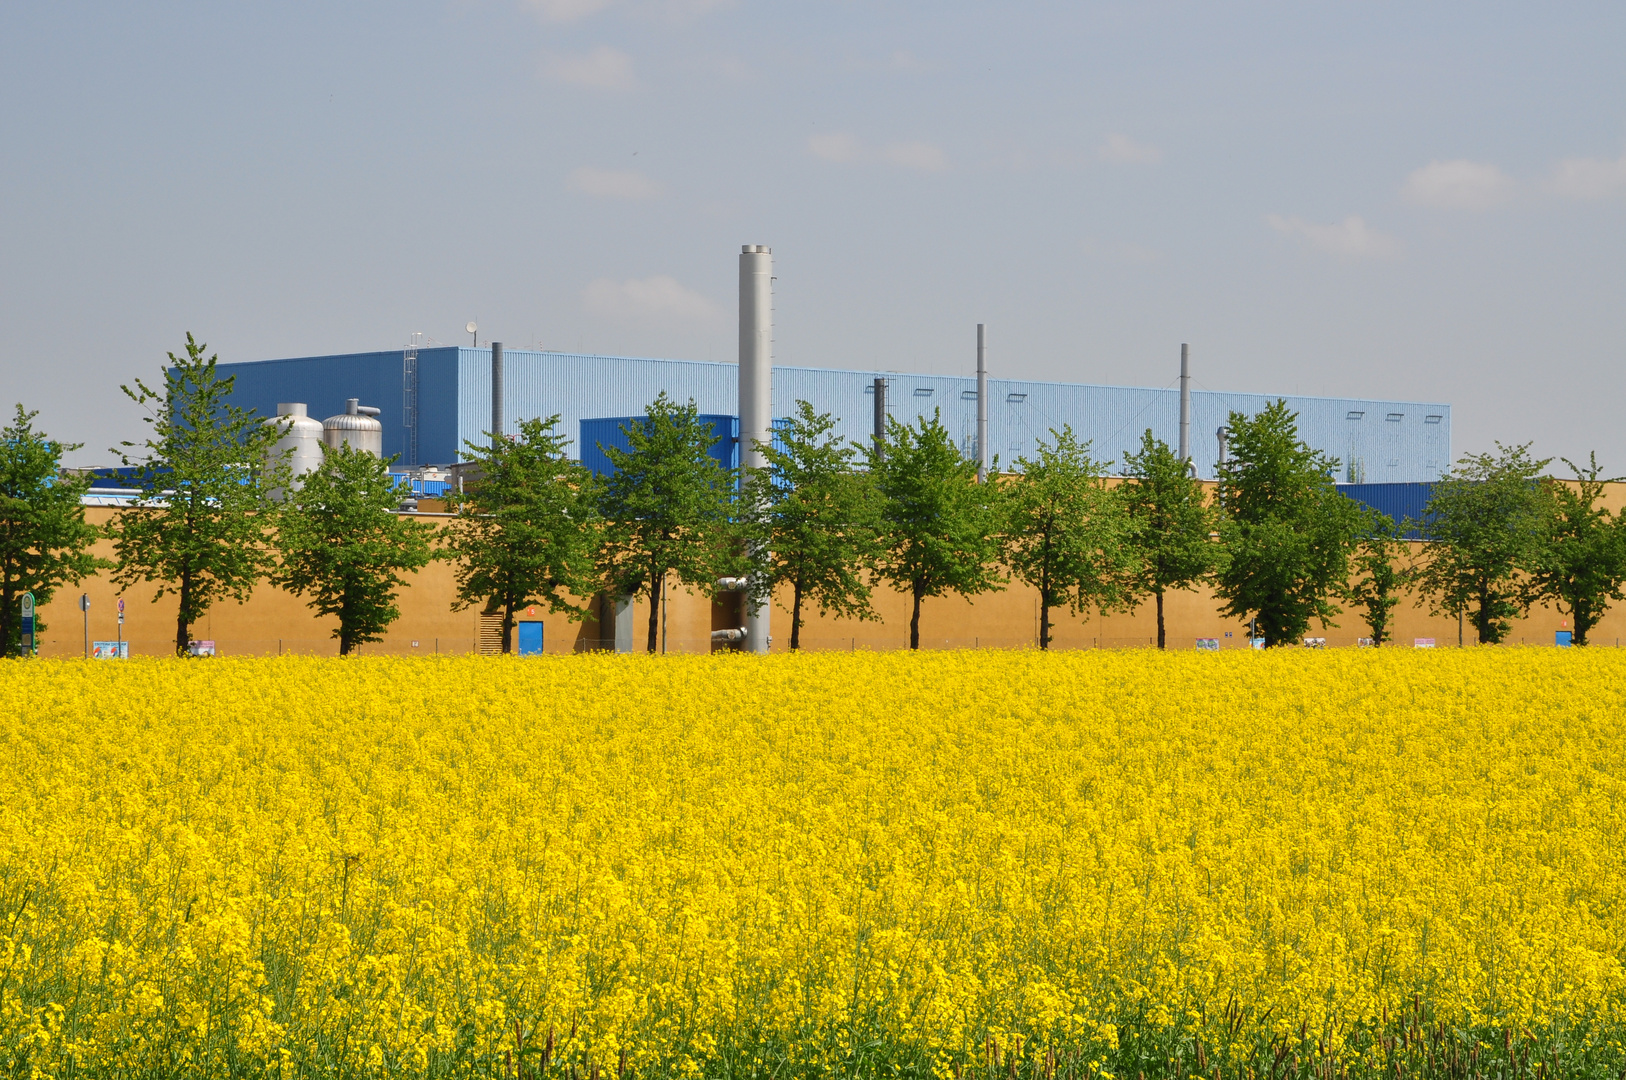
x=437 y=400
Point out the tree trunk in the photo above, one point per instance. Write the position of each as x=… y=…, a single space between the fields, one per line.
x=796 y=615
x=1162 y=638
x=1044 y=625
x=508 y=627
x=914 y=622
x=655 y=583
x=183 y=635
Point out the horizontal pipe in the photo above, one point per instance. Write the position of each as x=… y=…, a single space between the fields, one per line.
x=728 y=635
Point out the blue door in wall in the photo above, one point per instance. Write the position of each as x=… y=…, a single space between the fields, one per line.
x=530 y=638
x=1561 y=638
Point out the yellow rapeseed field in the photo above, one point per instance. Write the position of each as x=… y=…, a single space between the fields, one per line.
x=1310 y=863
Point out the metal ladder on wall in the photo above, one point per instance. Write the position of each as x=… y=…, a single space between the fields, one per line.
x=409 y=397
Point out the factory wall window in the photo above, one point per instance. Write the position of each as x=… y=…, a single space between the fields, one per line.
x=968 y=395
x=1395 y=417
x=1016 y=399
x=1354 y=414
x=923 y=391
x=1432 y=419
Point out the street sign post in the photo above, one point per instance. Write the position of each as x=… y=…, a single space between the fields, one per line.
x=121 y=626
x=28 y=624
x=84 y=608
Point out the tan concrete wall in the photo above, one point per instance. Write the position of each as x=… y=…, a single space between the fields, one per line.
x=273 y=621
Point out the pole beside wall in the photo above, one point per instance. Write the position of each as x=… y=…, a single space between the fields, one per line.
x=756 y=392
x=982 y=406
x=880 y=417
x=1185 y=403
x=496 y=393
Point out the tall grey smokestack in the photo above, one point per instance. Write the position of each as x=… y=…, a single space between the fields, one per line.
x=496 y=393
x=756 y=390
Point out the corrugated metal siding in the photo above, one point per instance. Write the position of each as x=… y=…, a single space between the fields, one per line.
x=1399 y=501
x=455 y=405
x=324 y=382
x=611 y=431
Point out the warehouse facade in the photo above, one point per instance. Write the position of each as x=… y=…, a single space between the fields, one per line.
x=434 y=400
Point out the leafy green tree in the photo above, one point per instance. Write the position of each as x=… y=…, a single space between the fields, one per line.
x=1379 y=576
x=667 y=509
x=1488 y=520
x=344 y=546
x=44 y=538
x=939 y=527
x=200 y=533
x=1171 y=524
x=1583 y=563
x=525 y=531
x=1288 y=532
x=1064 y=532
x=816 y=521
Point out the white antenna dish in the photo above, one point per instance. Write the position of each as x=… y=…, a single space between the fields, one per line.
x=472 y=327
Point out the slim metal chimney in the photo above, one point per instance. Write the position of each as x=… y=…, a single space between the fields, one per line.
x=982 y=407
x=1185 y=403
x=496 y=393
x=756 y=391
x=880 y=417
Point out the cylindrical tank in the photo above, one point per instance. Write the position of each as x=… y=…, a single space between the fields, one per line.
x=357 y=426
x=301 y=441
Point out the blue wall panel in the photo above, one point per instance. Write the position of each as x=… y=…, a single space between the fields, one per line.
x=610 y=431
x=1375 y=441
x=1399 y=501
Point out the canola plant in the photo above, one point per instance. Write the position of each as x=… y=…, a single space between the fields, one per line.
x=1345 y=863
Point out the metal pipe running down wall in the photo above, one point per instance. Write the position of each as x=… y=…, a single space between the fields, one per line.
x=1185 y=403
x=496 y=393
x=982 y=406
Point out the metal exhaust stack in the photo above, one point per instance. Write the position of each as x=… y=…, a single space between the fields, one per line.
x=496 y=393
x=1185 y=403
x=880 y=417
x=982 y=407
x=756 y=391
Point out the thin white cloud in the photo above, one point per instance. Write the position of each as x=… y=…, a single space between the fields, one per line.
x=844 y=147
x=613 y=183
x=659 y=297
x=1350 y=238
x=1589 y=178
x=677 y=11
x=916 y=155
x=1459 y=185
x=1122 y=150
x=602 y=69
x=835 y=146
x=566 y=10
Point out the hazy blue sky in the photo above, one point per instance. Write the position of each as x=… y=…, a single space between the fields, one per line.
x=1410 y=200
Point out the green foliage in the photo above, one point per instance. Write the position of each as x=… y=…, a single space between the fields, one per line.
x=1288 y=532
x=200 y=533
x=667 y=509
x=526 y=528
x=1171 y=524
x=1489 y=518
x=939 y=527
x=44 y=538
x=815 y=522
x=344 y=547
x=1583 y=562
x=1379 y=579
x=1064 y=533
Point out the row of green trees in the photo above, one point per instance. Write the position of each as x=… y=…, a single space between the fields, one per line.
x=827 y=522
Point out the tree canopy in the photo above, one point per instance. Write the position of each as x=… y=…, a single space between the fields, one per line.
x=1288 y=531
x=1582 y=566
x=45 y=541
x=939 y=527
x=1063 y=532
x=1171 y=525
x=200 y=533
x=667 y=510
x=526 y=527
x=816 y=521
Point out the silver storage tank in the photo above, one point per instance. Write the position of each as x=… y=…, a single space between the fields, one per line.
x=357 y=426
x=301 y=441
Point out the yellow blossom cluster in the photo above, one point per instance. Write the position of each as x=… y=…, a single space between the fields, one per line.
x=801 y=865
